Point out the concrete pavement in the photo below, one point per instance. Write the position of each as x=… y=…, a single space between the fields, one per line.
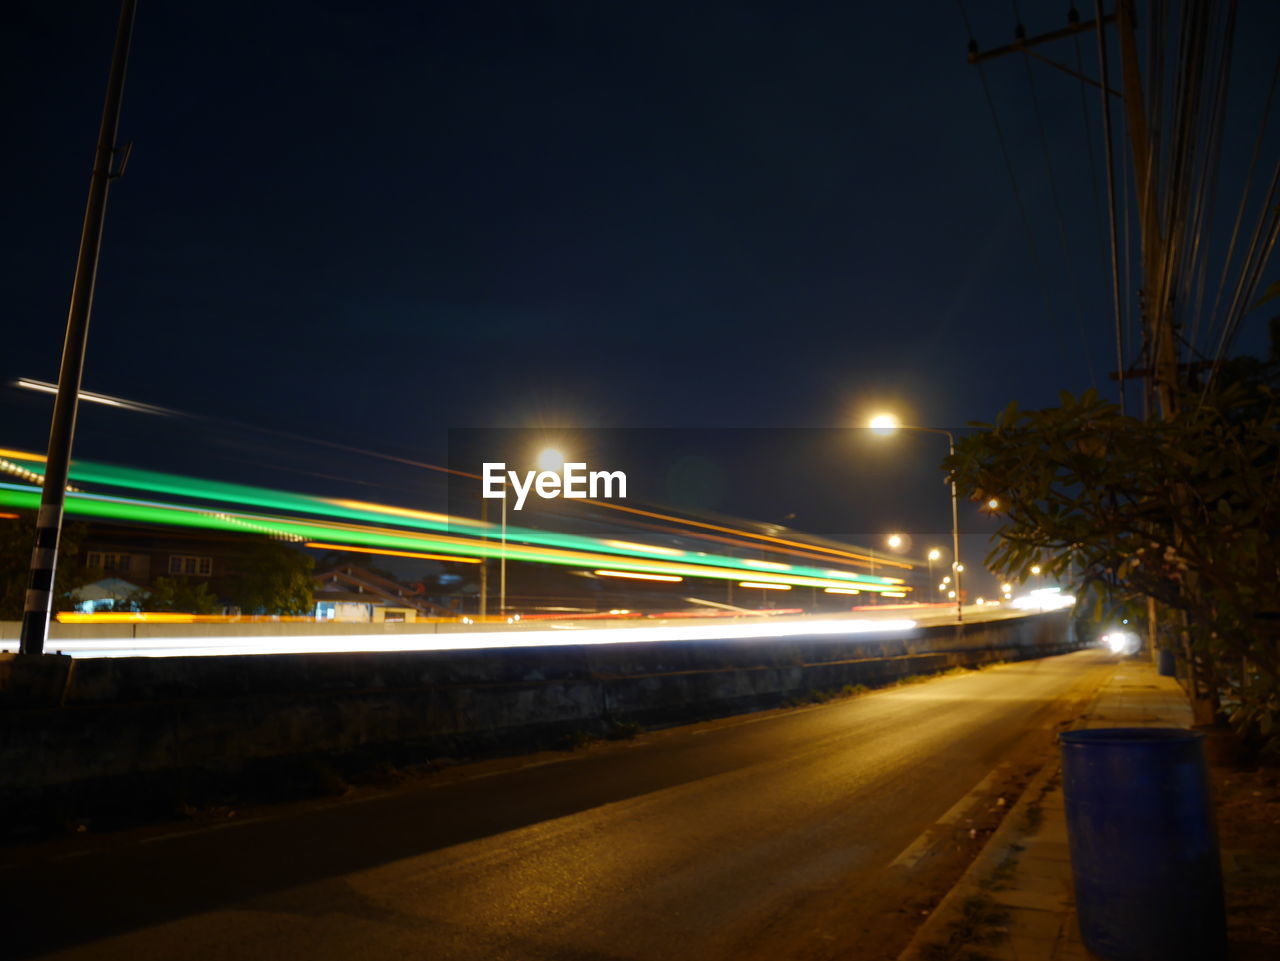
x=1016 y=902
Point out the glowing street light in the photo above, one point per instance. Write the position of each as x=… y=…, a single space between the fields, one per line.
x=886 y=423
x=894 y=541
x=946 y=580
x=551 y=459
x=934 y=554
x=1035 y=569
x=993 y=504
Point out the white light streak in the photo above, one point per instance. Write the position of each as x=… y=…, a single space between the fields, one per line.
x=205 y=646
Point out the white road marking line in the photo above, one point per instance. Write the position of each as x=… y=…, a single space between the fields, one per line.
x=913 y=852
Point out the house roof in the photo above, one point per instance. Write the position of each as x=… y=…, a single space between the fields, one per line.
x=366 y=585
x=109 y=588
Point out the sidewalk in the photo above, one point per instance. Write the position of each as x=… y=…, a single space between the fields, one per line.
x=1015 y=902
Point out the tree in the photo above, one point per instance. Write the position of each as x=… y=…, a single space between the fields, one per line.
x=1186 y=511
x=179 y=594
x=17 y=537
x=271 y=579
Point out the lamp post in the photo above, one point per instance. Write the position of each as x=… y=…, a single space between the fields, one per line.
x=934 y=554
x=502 y=566
x=887 y=424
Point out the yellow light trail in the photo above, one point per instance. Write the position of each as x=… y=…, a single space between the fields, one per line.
x=403 y=512
x=637 y=576
x=629 y=546
x=883 y=561
x=765 y=585
x=390 y=553
x=436 y=518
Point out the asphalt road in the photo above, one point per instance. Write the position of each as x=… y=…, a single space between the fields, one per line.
x=809 y=833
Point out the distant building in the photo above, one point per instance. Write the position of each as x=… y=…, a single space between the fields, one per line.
x=137 y=556
x=141 y=554
x=357 y=595
x=107 y=594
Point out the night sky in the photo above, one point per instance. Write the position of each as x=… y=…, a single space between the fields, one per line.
x=373 y=223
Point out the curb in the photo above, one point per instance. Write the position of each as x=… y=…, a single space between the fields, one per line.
x=935 y=933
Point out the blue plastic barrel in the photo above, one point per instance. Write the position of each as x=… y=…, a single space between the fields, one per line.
x=1144 y=849
x=1166 y=666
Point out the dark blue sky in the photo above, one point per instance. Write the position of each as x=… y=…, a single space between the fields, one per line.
x=377 y=222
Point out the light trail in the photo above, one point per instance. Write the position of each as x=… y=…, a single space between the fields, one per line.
x=300 y=529
x=455 y=558
x=852 y=555
x=244 y=494
x=636 y=575
x=784 y=546
x=439 y=524
x=87 y=395
x=559 y=636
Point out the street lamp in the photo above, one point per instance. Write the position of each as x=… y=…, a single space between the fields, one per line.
x=549 y=459
x=934 y=554
x=894 y=541
x=887 y=424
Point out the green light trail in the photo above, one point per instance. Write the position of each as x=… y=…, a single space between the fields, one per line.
x=602 y=550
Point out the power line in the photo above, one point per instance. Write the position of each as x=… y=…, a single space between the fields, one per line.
x=1111 y=206
x=1057 y=210
x=1017 y=194
x=1244 y=196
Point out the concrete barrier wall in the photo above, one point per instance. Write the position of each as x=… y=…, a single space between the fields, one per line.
x=93 y=732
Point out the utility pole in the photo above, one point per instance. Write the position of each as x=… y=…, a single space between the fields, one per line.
x=44 y=554
x=1162 y=372
x=1157 y=318
x=483 y=610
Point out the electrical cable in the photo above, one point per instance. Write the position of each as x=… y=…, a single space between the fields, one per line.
x=1244 y=196
x=1072 y=279
x=1207 y=191
x=1111 y=200
x=1017 y=194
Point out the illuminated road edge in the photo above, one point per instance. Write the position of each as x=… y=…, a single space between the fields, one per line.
x=565 y=635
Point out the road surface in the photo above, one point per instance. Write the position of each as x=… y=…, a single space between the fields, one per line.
x=818 y=832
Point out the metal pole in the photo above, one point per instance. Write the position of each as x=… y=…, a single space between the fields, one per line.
x=502 y=562
x=44 y=554
x=483 y=608
x=955 y=535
